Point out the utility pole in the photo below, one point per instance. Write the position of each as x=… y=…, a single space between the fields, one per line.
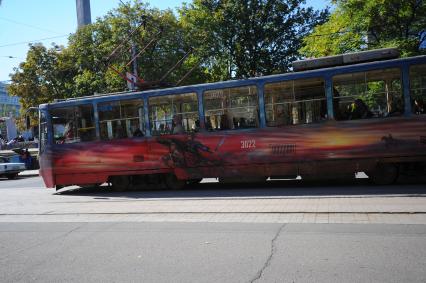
x=83 y=12
x=134 y=64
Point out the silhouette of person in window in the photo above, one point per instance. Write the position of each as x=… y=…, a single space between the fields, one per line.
x=119 y=132
x=137 y=133
x=339 y=114
x=359 y=110
x=177 y=125
x=224 y=125
x=208 y=124
x=419 y=107
x=69 y=131
x=162 y=129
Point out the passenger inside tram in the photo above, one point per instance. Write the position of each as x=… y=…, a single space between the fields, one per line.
x=177 y=124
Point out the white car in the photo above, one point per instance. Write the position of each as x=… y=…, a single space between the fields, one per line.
x=10 y=169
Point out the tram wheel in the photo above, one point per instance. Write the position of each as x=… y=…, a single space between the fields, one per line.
x=174 y=183
x=120 y=183
x=384 y=174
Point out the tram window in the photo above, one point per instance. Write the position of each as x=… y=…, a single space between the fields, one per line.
x=295 y=102
x=73 y=124
x=173 y=114
x=121 y=119
x=231 y=108
x=418 y=88
x=368 y=94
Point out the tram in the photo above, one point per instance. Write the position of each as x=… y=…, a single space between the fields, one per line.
x=330 y=117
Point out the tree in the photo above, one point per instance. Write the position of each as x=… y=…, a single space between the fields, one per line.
x=249 y=38
x=91 y=45
x=81 y=68
x=39 y=80
x=227 y=39
x=369 y=24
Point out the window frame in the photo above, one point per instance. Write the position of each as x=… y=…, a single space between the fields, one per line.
x=296 y=100
x=256 y=107
x=415 y=108
x=185 y=117
x=123 y=117
x=94 y=136
x=365 y=86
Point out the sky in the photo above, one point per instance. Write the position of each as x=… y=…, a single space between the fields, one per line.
x=52 y=21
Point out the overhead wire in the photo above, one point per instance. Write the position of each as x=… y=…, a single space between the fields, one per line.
x=34 y=27
x=31 y=41
x=27 y=25
x=11 y=57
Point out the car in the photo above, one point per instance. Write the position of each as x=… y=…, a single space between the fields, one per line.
x=10 y=169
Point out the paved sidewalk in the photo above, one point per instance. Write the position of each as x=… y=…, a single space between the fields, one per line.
x=43 y=205
x=26 y=200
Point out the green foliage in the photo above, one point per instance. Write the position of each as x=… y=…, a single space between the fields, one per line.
x=369 y=24
x=249 y=38
x=373 y=96
x=228 y=39
x=38 y=79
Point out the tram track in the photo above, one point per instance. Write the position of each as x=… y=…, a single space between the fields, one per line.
x=343 y=217
x=216 y=212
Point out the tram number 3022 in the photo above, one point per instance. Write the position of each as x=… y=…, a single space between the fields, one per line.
x=246 y=144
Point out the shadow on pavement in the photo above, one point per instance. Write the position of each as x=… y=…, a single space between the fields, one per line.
x=270 y=189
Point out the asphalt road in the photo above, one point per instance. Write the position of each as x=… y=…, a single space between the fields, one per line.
x=22 y=182
x=211 y=252
x=274 y=232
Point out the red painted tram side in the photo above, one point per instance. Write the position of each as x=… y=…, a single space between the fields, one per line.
x=321 y=123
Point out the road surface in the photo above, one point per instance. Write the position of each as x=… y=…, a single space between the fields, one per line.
x=275 y=232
